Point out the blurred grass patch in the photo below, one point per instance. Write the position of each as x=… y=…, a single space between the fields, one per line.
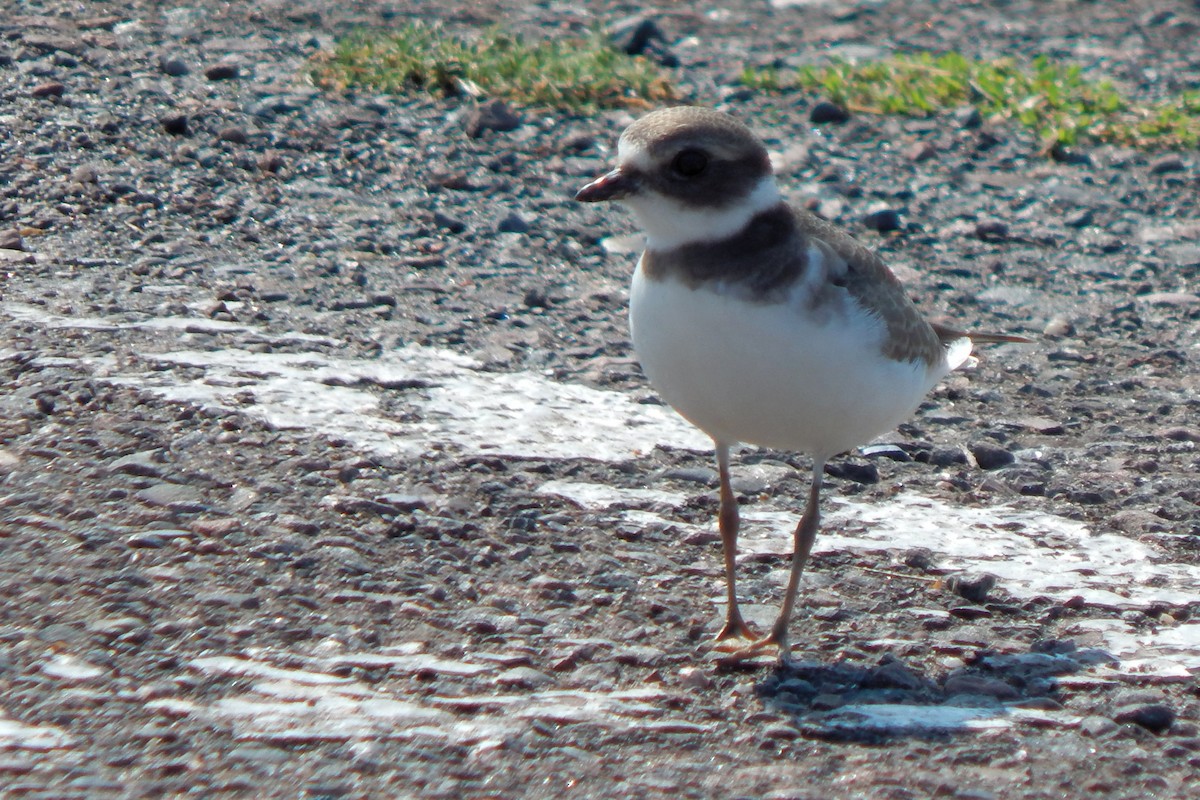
x=1053 y=99
x=570 y=74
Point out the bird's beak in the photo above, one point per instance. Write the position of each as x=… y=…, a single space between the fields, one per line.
x=611 y=186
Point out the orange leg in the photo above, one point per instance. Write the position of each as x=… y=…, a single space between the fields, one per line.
x=728 y=523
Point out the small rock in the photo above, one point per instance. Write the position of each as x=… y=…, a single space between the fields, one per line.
x=695 y=678
x=49 y=89
x=222 y=71
x=973 y=586
x=884 y=220
x=169 y=494
x=175 y=124
x=990 y=456
x=445 y=221
x=980 y=685
x=233 y=134
x=494 y=115
x=1059 y=327
x=893 y=675
x=919 y=558
x=1179 y=434
x=513 y=223
x=947 y=456
x=968 y=117
x=701 y=475
x=11 y=240
x=146 y=540
x=854 y=470
x=173 y=66
x=142 y=463
x=523 y=678
x=1080 y=219
x=826 y=112
x=1097 y=726
x=920 y=151
x=1154 y=717
x=1167 y=164
x=633 y=35
x=970 y=612
x=989 y=229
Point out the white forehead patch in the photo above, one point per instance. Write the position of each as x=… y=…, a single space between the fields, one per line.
x=633 y=154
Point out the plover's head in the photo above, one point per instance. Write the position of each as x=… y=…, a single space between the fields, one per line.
x=689 y=174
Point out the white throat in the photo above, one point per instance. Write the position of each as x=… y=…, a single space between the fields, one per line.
x=670 y=224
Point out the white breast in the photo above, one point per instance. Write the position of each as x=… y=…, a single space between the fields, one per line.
x=772 y=374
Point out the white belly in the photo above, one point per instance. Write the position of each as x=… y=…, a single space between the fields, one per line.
x=773 y=375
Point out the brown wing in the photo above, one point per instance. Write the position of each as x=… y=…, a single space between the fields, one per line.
x=874 y=286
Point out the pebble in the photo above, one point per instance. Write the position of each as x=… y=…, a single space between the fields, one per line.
x=523 y=678
x=991 y=229
x=973 y=586
x=701 y=475
x=863 y=472
x=1167 y=164
x=921 y=558
x=633 y=35
x=968 y=117
x=175 y=124
x=233 y=134
x=173 y=66
x=1154 y=717
x=884 y=220
x=979 y=685
x=494 y=115
x=920 y=151
x=826 y=112
x=1059 y=327
x=49 y=89
x=144 y=463
x=449 y=223
x=222 y=71
x=169 y=494
x=11 y=240
x=948 y=457
x=990 y=456
x=513 y=223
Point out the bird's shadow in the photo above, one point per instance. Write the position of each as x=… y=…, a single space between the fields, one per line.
x=889 y=700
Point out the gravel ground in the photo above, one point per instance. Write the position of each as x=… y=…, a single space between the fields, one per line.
x=328 y=470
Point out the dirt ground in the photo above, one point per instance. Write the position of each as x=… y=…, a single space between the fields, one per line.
x=327 y=469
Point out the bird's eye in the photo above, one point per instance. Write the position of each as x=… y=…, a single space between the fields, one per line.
x=689 y=163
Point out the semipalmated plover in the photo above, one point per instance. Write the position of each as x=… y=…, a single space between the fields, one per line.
x=762 y=323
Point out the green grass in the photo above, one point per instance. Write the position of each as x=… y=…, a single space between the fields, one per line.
x=1054 y=100
x=570 y=74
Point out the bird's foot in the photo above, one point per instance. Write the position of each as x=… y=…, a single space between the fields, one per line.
x=758 y=648
x=735 y=628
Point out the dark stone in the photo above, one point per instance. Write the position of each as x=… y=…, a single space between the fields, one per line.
x=991 y=229
x=452 y=224
x=1154 y=717
x=49 y=89
x=513 y=223
x=826 y=112
x=885 y=220
x=857 y=471
x=234 y=135
x=494 y=115
x=1167 y=164
x=223 y=71
x=175 y=67
x=973 y=587
x=947 y=457
x=990 y=456
x=175 y=124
